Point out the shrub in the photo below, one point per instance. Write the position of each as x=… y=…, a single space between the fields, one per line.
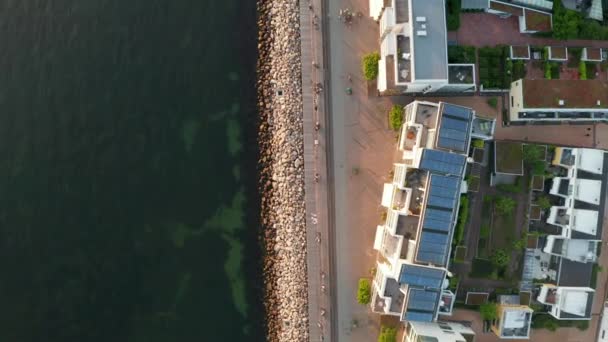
x=500 y=258
x=454 y=282
x=387 y=334
x=370 y=66
x=488 y=311
x=538 y=167
x=581 y=325
x=493 y=102
x=364 y=292
x=548 y=70
x=582 y=70
x=543 y=202
x=453 y=14
x=519 y=70
x=520 y=243
x=395 y=117
x=533 y=152
x=504 y=205
x=478 y=143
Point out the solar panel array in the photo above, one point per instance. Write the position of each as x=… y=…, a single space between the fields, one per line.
x=455 y=128
x=438 y=220
x=443 y=192
x=433 y=248
x=421 y=305
x=421 y=276
x=443 y=162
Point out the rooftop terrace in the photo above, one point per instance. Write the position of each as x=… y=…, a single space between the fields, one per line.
x=588 y=94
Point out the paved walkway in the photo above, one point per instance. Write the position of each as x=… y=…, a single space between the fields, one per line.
x=316 y=143
x=484 y=29
x=363 y=148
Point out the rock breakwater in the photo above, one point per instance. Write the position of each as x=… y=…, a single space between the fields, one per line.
x=280 y=138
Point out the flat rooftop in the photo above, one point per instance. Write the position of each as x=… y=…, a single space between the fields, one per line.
x=430 y=49
x=509 y=157
x=545 y=93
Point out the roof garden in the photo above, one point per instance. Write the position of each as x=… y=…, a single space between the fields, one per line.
x=558 y=52
x=509 y=158
x=581 y=94
x=594 y=54
x=537 y=21
x=520 y=52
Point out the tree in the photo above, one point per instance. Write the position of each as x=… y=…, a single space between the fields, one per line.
x=364 y=295
x=387 y=334
x=395 y=117
x=543 y=202
x=493 y=102
x=504 y=205
x=500 y=258
x=565 y=22
x=488 y=311
x=370 y=66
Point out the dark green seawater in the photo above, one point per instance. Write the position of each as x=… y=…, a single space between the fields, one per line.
x=127 y=171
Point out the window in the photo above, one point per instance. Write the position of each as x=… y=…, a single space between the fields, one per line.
x=511 y=101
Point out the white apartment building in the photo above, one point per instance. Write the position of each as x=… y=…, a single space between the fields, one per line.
x=413 y=49
x=438 y=332
x=422 y=201
x=570 y=303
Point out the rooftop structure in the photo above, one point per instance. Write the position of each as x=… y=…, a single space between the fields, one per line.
x=422 y=202
x=531 y=18
x=413 y=49
x=582 y=190
x=578 y=250
x=513 y=320
x=571 y=303
x=438 y=332
x=559 y=100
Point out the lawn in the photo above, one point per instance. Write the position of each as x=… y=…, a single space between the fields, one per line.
x=503 y=231
x=485 y=228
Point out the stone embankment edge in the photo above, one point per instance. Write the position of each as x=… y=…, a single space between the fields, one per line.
x=281 y=170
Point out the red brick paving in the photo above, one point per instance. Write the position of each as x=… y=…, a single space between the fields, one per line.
x=484 y=29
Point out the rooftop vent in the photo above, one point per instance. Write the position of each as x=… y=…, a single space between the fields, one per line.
x=420 y=19
x=561 y=102
x=599 y=103
x=421 y=33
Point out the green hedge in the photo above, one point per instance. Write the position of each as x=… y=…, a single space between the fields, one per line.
x=582 y=70
x=364 y=292
x=463 y=216
x=370 y=66
x=395 y=117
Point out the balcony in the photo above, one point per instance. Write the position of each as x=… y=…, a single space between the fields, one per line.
x=404 y=63
x=396 y=296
